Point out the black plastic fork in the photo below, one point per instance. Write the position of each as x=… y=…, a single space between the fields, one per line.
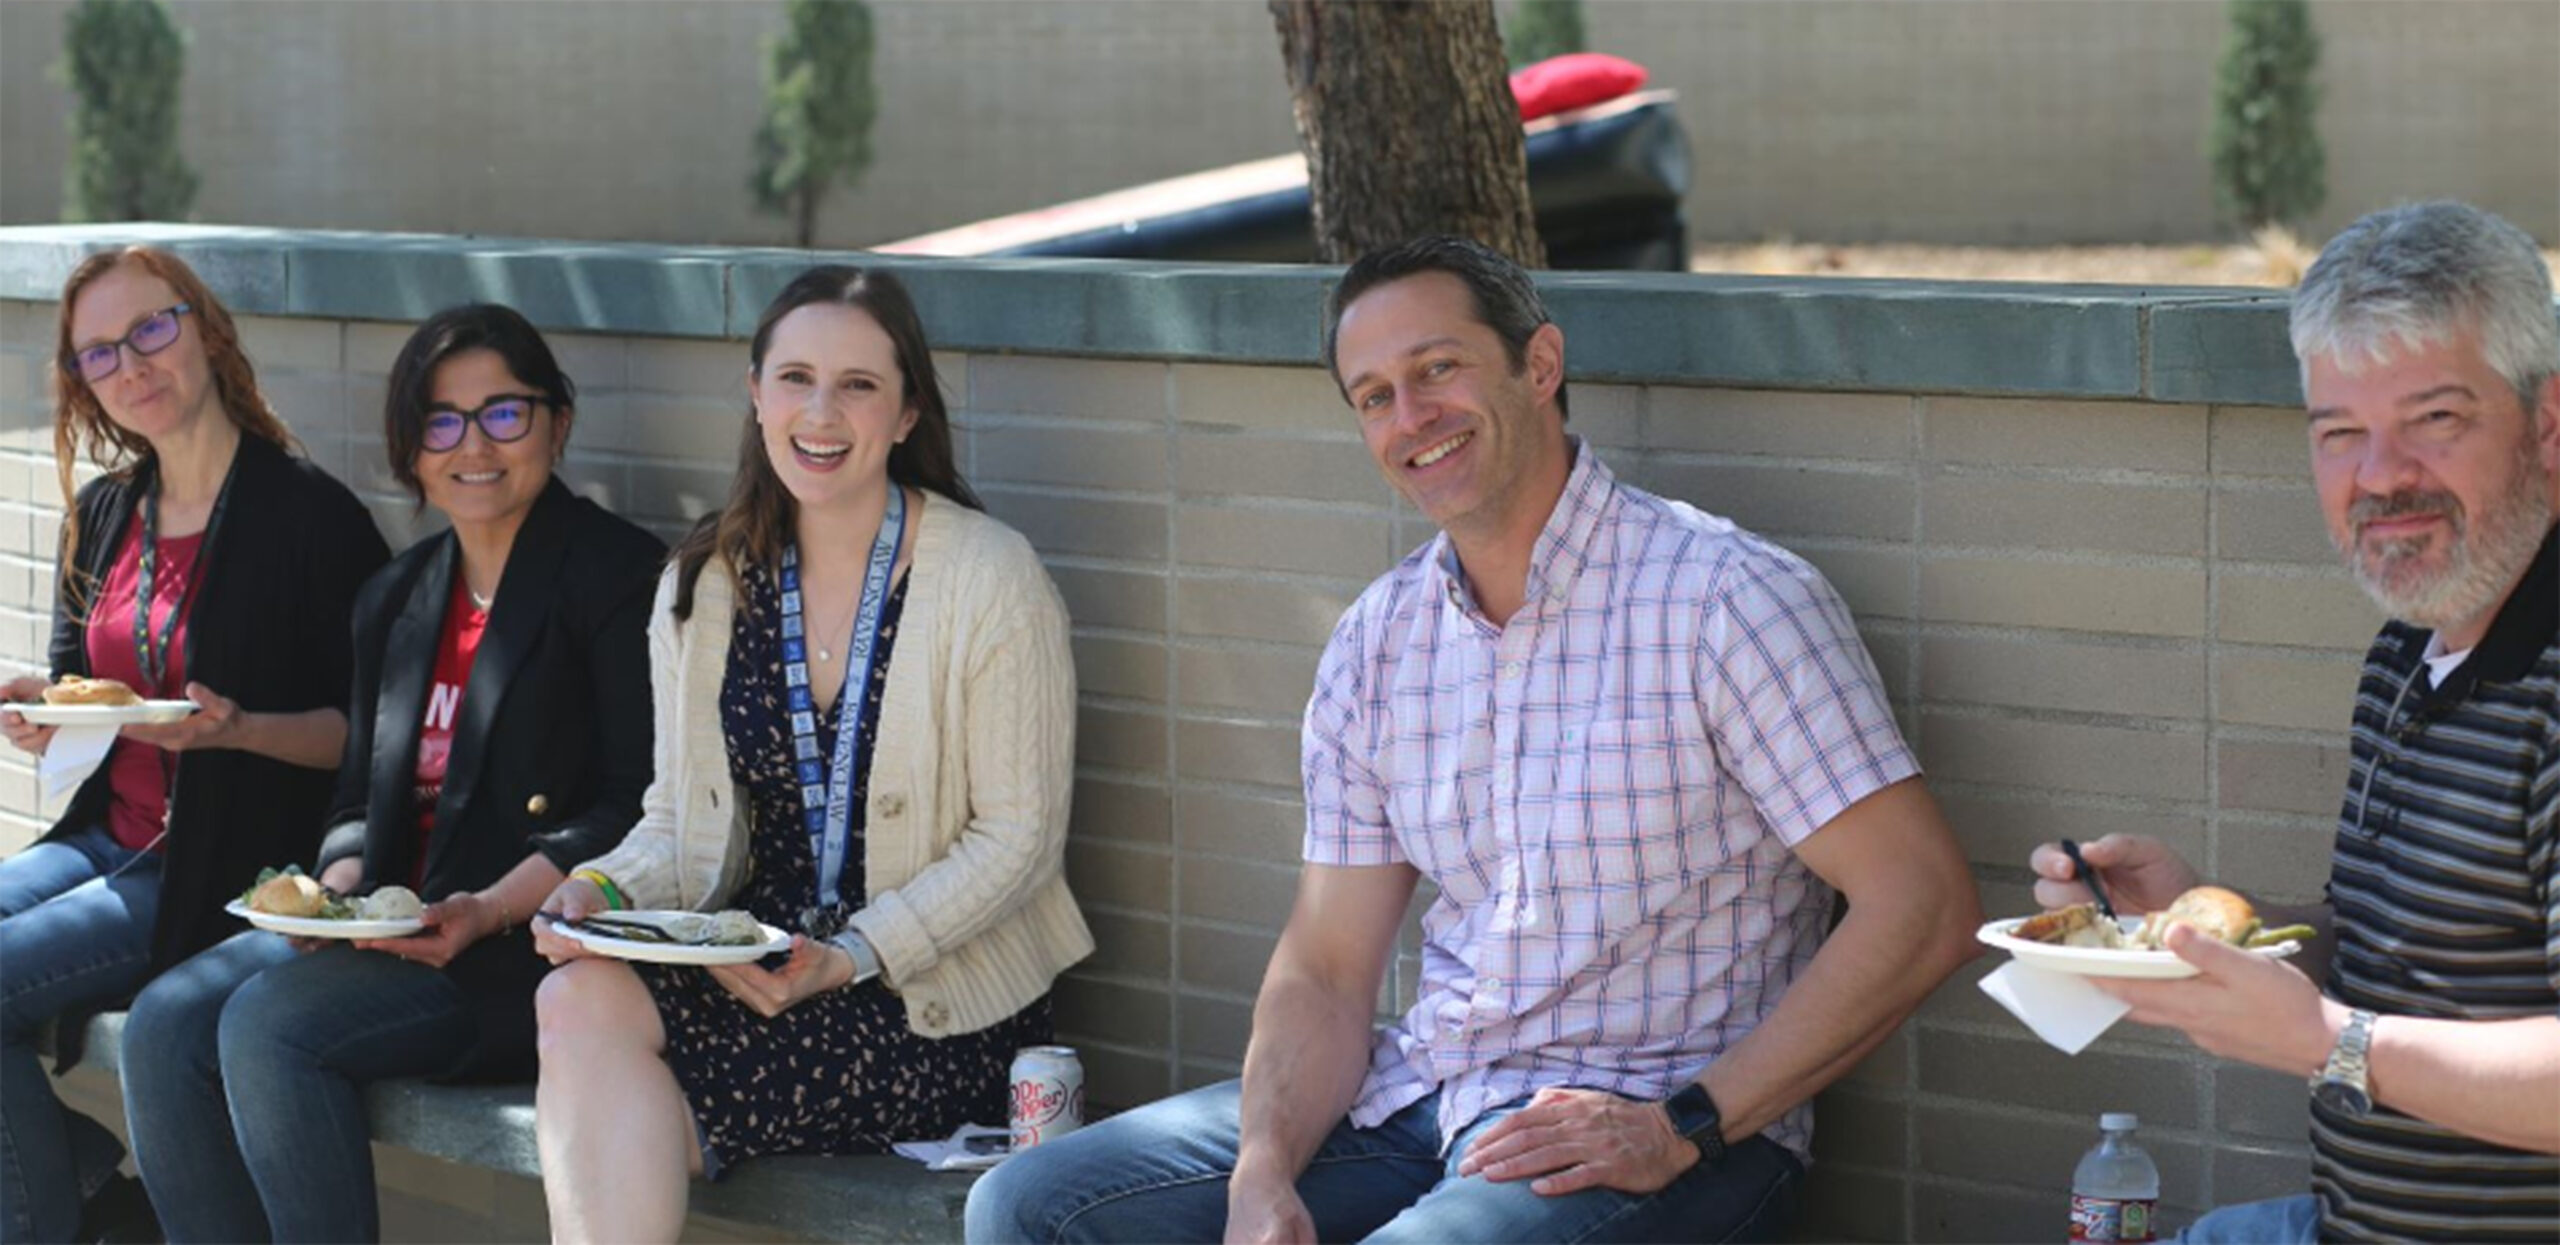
x=628 y=931
x=2080 y=870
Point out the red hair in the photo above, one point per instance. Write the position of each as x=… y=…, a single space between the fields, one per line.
x=80 y=422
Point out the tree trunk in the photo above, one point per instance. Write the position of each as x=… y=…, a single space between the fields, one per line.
x=804 y=205
x=1407 y=120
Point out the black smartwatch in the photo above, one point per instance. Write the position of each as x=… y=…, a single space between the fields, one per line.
x=1694 y=1116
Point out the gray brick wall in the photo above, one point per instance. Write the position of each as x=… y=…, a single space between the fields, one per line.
x=2093 y=616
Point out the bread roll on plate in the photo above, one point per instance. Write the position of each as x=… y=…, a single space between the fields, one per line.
x=289 y=894
x=75 y=690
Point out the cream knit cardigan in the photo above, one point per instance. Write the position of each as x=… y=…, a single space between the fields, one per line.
x=970 y=778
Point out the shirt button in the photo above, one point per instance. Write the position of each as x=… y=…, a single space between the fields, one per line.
x=1513 y=669
x=1492 y=985
x=538 y=805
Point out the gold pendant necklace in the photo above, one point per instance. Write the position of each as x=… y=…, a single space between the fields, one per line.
x=826 y=653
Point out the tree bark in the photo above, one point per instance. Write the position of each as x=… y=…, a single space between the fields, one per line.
x=1406 y=116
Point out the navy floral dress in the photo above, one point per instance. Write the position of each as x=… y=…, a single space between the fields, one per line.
x=840 y=1073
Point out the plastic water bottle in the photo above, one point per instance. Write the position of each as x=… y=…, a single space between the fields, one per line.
x=2116 y=1186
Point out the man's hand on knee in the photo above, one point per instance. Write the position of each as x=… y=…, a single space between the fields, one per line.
x=1266 y=1212
x=1568 y=1140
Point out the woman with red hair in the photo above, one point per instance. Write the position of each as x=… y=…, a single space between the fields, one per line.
x=209 y=562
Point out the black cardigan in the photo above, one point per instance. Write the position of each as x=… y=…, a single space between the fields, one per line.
x=285 y=553
x=551 y=748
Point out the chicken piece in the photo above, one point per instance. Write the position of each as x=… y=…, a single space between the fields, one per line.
x=2058 y=925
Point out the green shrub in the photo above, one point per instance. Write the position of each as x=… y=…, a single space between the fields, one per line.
x=2268 y=167
x=124 y=60
x=1539 y=29
x=818 y=106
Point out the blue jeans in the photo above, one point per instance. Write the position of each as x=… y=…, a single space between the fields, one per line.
x=248 y=1117
x=75 y=933
x=2277 y=1221
x=1159 y=1173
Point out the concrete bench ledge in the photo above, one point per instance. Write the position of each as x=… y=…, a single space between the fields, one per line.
x=876 y=1198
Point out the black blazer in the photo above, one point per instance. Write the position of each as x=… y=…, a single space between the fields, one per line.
x=551 y=750
x=283 y=557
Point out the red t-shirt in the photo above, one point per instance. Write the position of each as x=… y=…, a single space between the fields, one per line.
x=137 y=773
x=460 y=644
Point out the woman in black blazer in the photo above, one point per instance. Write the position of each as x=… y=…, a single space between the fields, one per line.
x=499 y=733
x=256 y=555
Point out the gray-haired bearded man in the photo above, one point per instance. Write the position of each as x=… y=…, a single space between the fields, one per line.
x=2431 y=364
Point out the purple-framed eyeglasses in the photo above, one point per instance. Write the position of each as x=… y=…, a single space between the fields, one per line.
x=151 y=335
x=504 y=417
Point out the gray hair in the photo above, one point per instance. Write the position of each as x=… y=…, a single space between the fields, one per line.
x=2415 y=275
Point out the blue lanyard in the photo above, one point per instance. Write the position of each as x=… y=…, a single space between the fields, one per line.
x=826 y=793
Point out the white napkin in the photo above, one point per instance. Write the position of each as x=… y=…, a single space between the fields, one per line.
x=952 y=1154
x=2063 y=1008
x=74 y=752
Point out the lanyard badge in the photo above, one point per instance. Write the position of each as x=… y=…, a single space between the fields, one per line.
x=826 y=785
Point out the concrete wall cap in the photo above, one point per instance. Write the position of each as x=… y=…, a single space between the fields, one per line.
x=2188 y=345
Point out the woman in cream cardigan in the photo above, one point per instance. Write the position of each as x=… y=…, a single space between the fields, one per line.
x=913 y=840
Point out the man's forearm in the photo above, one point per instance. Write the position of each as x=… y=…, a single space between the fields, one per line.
x=1302 y=1067
x=2497 y=1080
x=1873 y=973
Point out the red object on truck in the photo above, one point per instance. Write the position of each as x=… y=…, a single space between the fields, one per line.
x=1573 y=80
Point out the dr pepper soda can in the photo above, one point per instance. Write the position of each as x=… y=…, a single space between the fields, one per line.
x=1048 y=1095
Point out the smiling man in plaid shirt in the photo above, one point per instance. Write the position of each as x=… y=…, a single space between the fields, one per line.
x=1636 y=749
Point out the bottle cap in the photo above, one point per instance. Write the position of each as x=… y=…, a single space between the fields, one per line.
x=2119 y=1121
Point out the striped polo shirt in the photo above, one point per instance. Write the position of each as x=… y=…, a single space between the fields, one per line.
x=2446 y=887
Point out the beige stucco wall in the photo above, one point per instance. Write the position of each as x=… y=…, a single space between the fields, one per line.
x=2093 y=617
x=1833 y=120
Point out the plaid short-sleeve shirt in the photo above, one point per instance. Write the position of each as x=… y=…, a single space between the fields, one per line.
x=1606 y=792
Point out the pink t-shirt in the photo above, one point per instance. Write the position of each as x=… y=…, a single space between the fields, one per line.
x=137 y=773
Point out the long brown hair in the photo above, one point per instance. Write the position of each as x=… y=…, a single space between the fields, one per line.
x=80 y=422
x=751 y=528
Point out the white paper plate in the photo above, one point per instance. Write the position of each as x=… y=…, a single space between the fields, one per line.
x=674 y=953
x=2102 y=961
x=149 y=712
x=322 y=927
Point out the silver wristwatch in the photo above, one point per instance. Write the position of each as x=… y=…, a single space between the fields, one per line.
x=866 y=960
x=2343 y=1084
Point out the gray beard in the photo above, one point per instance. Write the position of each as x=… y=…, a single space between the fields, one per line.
x=2488 y=553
